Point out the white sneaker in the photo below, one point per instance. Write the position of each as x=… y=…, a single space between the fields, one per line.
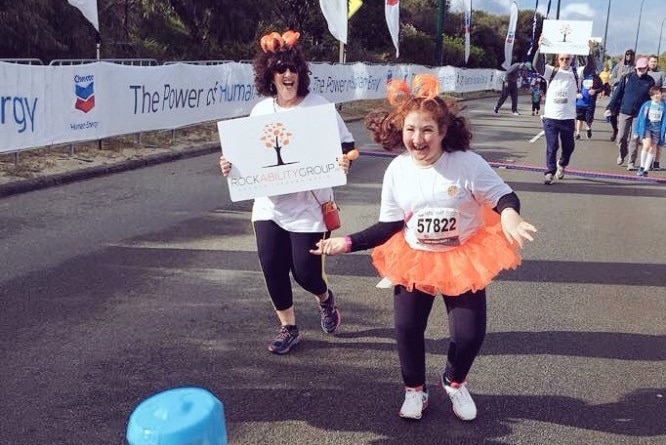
x=559 y=174
x=548 y=179
x=414 y=405
x=631 y=166
x=463 y=405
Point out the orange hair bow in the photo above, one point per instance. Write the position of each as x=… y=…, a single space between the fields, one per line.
x=273 y=41
x=425 y=86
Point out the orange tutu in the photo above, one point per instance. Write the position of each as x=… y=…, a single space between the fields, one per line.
x=471 y=266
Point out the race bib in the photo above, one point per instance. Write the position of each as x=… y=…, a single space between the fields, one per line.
x=560 y=96
x=654 y=115
x=436 y=226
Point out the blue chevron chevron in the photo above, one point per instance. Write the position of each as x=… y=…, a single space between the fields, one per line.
x=85 y=92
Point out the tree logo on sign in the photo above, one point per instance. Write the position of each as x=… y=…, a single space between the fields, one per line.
x=277 y=137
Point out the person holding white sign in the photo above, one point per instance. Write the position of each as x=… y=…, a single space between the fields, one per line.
x=286 y=226
x=559 y=112
x=437 y=234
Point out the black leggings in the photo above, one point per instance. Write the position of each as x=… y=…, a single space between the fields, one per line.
x=281 y=252
x=467 y=329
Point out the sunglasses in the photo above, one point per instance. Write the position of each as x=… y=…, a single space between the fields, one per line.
x=282 y=68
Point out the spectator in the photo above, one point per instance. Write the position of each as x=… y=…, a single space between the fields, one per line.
x=604 y=75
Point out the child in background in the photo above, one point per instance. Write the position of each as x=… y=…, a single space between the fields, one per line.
x=650 y=127
x=537 y=92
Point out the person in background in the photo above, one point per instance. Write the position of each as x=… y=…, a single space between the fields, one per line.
x=448 y=224
x=510 y=87
x=628 y=96
x=604 y=75
x=622 y=68
x=659 y=77
x=537 y=92
x=586 y=102
x=559 y=114
x=650 y=128
x=286 y=226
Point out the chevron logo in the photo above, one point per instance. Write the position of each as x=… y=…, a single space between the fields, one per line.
x=85 y=97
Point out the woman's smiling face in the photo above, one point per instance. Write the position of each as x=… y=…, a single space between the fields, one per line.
x=286 y=83
x=422 y=137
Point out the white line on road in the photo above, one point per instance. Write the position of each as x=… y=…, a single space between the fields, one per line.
x=536 y=138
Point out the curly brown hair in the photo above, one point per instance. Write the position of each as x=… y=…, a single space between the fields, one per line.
x=265 y=63
x=386 y=125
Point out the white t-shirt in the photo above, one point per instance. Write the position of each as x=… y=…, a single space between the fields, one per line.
x=440 y=203
x=561 y=94
x=295 y=212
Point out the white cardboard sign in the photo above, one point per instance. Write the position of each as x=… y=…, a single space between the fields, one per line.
x=286 y=152
x=566 y=37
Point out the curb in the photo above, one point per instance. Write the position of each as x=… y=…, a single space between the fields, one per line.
x=31 y=184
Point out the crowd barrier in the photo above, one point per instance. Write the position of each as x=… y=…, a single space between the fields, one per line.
x=71 y=101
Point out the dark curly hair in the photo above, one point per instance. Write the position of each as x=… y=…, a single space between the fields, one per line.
x=264 y=65
x=386 y=126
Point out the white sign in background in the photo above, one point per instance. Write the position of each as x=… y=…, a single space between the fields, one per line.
x=281 y=153
x=566 y=37
x=50 y=105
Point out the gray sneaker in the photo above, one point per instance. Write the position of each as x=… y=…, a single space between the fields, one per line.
x=330 y=316
x=286 y=339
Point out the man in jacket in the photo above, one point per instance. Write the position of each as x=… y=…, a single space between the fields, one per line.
x=510 y=86
x=630 y=93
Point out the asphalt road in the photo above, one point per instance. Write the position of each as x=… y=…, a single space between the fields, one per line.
x=121 y=286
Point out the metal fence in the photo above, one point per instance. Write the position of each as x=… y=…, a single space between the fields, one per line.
x=133 y=62
x=23 y=61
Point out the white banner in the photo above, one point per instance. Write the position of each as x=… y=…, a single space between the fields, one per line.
x=392 y=13
x=89 y=10
x=51 y=105
x=335 y=13
x=510 y=36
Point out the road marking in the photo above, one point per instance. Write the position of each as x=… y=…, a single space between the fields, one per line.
x=536 y=138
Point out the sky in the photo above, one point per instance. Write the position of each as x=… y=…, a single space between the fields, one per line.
x=622 y=23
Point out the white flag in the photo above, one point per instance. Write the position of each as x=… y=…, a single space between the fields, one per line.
x=468 y=18
x=335 y=13
x=510 y=36
x=392 y=12
x=89 y=10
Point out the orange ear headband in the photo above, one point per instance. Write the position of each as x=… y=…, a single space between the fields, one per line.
x=273 y=41
x=425 y=86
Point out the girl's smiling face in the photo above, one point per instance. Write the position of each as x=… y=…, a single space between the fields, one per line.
x=422 y=137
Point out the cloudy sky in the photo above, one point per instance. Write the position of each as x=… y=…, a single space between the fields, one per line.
x=622 y=24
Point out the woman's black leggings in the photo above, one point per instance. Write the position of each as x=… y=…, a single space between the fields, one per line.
x=467 y=329
x=281 y=252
